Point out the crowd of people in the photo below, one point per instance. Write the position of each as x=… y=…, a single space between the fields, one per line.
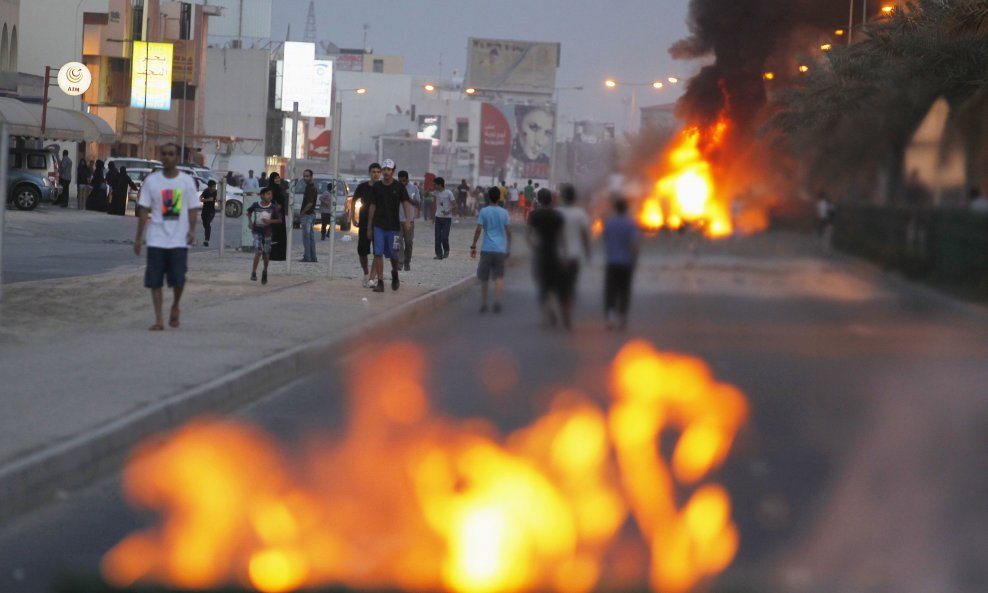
x=169 y=207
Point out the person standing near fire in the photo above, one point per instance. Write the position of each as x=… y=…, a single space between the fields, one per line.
x=361 y=203
x=621 y=240
x=384 y=227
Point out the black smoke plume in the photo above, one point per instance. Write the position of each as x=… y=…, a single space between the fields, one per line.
x=744 y=36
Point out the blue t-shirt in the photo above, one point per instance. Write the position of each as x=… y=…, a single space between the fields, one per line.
x=620 y=235
x=494 y=220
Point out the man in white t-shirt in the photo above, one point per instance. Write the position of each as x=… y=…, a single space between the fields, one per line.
x=576 y=245
x=251 y=183
x=170 y=200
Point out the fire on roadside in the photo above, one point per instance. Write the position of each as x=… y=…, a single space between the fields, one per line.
x=690 y=188
x=408 y=498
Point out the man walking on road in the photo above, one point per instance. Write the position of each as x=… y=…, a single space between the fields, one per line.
x=462 y=191
x=361 y=204
x=307 y=218
x=621 y=243
x=545 y=227
x=170 y=199
x=64 y=178
x=493 y=223
x=208 y=199
x=326 y=207
x=576 y=245
x=387 y=197
x=407 y=238
x=444 y=217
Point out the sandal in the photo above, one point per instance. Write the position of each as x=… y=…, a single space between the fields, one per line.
x=173 y=319
x=157 y=327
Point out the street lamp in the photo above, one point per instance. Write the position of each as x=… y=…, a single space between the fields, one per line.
x=655 y=84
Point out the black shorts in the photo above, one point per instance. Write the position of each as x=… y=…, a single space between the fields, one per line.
x=568 y=275
x=363 y=243
x=166 y=263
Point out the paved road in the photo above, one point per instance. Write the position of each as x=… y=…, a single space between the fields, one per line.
x=50 y=242
x=864 y=464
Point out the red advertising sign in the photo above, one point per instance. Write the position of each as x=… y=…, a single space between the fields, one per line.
x=495 y=140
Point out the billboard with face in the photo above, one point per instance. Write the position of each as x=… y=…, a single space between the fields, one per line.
x=512 y=66
x=516 y=140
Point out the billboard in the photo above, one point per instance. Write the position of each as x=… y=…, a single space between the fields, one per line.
x=320 y=101
x=305 y=80
x=296 y=74
x=151 y=76
x=429 y=127
x=516 y=141
x=513 y=66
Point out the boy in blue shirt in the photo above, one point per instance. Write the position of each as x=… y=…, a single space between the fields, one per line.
x=493 y=223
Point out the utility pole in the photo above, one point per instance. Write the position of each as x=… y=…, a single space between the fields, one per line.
x=337 y=123
x=289 y=223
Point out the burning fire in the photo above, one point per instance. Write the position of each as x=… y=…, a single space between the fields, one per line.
x=686 y=193
x=691 y=191
x=409 y=499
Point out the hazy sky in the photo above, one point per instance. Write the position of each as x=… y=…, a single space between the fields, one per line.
x=624 y=39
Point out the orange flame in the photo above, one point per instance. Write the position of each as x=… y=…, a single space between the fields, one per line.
x=687 y=193
x=410 y=499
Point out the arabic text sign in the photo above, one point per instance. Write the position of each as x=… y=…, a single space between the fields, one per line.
x=151 y=76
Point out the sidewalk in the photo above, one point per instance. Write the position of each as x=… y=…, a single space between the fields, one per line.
x=83 y=379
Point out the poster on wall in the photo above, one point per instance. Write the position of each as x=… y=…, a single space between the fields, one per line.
x=516 y=141
x=320 y=138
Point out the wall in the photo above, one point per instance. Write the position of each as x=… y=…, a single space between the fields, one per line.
x=11 y=45
x=364 y=116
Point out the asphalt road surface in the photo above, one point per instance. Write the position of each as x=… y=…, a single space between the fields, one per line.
x=863 y=466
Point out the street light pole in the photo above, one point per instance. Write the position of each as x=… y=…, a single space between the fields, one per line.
x=144 y=109
x=289 y=223
x=337 y=123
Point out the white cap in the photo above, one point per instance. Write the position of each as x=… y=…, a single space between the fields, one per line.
x=388 y=164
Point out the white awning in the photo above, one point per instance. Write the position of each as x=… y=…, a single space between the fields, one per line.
x=24 y=119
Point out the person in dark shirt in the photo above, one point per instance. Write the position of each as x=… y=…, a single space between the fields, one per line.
x=83 y=174
x=307 y=218
x=545 y=226
x=208 y=199
x=462 y=191
x=385 y=226
x=361 y=206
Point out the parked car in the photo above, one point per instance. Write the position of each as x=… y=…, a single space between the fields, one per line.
x=42 y=162
x=133 y=163
x=324 y=185
x=25 y=190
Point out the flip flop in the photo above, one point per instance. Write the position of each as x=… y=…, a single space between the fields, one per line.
x=157 y=327
x=173 y=319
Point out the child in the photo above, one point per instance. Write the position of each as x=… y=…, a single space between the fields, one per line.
x=260 y=217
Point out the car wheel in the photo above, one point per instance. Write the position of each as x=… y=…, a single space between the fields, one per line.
x=233 y=209
x=26 y=197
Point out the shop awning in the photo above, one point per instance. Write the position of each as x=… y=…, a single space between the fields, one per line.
x=24 y=119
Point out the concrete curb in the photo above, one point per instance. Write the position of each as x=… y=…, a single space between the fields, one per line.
x=37 y=478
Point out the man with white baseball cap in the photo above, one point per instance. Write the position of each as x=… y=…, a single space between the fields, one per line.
x=387 y=197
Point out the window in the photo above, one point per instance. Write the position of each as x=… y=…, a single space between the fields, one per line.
x=462 y=130
x=137 y=22
x=379 y=66
x=36 y=161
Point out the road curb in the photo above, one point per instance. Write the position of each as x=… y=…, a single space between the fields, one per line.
x=41 y=476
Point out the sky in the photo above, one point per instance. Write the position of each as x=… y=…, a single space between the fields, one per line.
x=627 y=40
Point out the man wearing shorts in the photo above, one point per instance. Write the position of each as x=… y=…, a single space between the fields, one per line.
x=170 y=200
x=385 y=227
x=260 y=218
x=493 y=223
x=361 y=203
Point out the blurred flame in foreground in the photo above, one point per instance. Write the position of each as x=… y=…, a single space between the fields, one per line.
x=410 y=499
x=690 y=191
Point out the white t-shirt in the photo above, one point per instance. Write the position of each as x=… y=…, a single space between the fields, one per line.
x=444 y=204
x=169 y=201
x=575 y=223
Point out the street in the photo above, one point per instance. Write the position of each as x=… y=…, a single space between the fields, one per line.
x=38 y=243
x=863 y=464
